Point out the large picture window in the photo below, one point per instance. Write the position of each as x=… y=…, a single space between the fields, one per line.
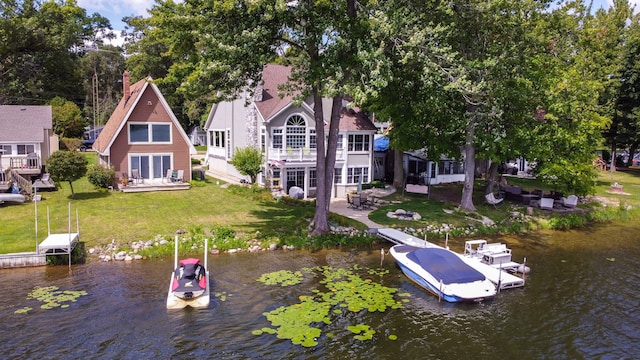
x=149 y=133
x=216 y=138
x=358 y=142
x=358 y=175
x=451 y=167
x=296 y=132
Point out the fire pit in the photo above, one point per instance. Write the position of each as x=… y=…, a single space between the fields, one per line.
x=401 y=214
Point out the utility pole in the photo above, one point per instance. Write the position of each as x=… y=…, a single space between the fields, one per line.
x=96 y=101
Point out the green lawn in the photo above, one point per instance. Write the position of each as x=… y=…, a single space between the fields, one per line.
x=432 y=210
x=106 y=216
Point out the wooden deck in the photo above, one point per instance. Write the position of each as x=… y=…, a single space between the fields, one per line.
x=153 y=185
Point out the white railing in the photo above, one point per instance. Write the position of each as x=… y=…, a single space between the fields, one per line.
x=24 y=162
x=300 y=154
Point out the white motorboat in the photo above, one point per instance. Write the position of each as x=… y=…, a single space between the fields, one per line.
x=443 y=273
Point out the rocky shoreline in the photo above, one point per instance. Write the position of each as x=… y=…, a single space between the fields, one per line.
x=130 y=251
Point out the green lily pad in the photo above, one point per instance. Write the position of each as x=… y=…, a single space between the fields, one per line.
x=282 y=278
x=341 y=290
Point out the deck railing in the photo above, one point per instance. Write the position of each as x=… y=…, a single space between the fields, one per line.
x=299 y=154
x=23 y=183
x=25 y=162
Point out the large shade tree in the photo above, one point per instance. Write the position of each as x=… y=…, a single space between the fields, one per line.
x=575 y=99
x=464 y=77
x=225 y=45
x=37 y=49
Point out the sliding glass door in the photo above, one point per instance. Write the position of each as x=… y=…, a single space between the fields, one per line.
x=151 y=166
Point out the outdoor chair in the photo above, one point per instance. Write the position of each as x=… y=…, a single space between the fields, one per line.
x=570 y=201
x=354 y=201
x=168 y=177
x=546 y=203
x=135 y=175
x=177 y=175
x=491 y=199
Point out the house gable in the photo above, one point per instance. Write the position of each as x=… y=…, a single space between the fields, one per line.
x=144 y=106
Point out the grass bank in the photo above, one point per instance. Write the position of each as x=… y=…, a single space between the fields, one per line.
x=510 y=217
x=113 y=216
x=252 y=215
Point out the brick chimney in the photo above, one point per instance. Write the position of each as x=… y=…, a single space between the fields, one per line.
x=125 y=84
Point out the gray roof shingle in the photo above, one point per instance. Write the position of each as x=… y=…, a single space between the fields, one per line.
x=24 y=123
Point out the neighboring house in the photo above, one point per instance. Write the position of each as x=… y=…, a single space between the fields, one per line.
x=197 y=136
x=285 y=133
x=26 y=142
x=418 y=168
x=144 y=135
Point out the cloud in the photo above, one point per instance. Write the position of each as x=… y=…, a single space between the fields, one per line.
x=115 y=10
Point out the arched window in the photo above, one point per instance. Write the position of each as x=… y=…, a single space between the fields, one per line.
x=296 y=130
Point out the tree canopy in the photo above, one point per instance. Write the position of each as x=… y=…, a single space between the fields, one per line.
x=37 y=62
x=248 y=161
x=67 y=166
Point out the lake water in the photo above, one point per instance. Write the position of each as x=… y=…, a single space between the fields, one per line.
x=580 y=301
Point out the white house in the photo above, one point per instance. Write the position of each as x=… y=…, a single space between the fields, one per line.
x=418 y=168
x=285 y=133
x=26 y=143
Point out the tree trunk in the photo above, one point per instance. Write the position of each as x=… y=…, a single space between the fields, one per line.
x=320 y=221
x=398 y=169
x=73 y=195
x=632 y=153
x=613 y=156
x=325 y=162
x=491 y=177
x=466 y=203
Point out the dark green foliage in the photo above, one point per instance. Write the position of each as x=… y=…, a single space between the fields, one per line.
x=70 y=143
x=101 y=176
x=78 y=256
x=374 y=184
x=248 y=161
x=221 y=232
x=67 y=118
x=253 y=192
x=67 y=166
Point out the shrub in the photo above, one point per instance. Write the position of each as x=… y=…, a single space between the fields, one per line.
x=101 y=176
x=70 y=144
x=223 y=232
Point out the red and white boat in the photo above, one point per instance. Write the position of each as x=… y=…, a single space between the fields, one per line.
x=189 y=284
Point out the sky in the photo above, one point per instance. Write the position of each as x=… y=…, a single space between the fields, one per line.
x=115 y=10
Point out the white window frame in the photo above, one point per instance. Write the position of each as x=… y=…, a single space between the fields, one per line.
x=150 y=126
x=359 y=142
x=217 y=138
x=355 y=173
x=150 y=158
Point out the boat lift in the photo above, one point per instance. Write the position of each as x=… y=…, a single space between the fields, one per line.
x=59 y=244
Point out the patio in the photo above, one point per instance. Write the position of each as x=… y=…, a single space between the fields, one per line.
x=153 y=185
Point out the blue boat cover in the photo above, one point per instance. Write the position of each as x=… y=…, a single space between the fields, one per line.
x=445 y=265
